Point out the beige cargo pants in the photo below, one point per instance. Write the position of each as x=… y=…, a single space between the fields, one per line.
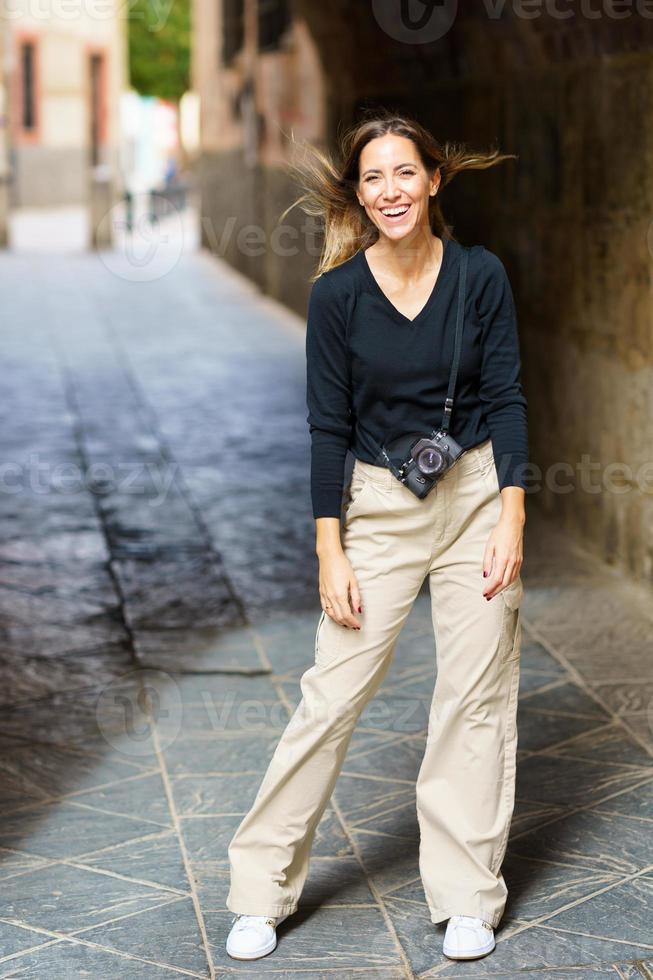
x=465 y=786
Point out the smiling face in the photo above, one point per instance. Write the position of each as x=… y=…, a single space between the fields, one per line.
x=394 y=188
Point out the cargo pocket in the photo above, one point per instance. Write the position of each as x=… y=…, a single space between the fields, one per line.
x=510 y=643
x=325 y=640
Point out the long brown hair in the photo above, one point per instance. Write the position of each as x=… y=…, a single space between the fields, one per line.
x=329 y=182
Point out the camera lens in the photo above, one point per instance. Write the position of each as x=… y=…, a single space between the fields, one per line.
x=430 y=460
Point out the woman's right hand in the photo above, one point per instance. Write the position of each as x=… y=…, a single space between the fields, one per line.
x=337 y=585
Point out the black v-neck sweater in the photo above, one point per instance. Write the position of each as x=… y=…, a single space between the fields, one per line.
x=372 y=374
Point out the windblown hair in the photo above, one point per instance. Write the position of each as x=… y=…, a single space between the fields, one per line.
x=329 y=183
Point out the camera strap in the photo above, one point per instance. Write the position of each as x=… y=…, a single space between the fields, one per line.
x=383 y=459
x=448 y=402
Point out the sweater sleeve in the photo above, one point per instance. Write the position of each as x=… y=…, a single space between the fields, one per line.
x=500 y=388
x=328 y=397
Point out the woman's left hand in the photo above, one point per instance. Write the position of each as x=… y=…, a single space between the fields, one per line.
x=504 y=554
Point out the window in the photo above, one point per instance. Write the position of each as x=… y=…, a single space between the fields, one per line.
x=28 y=120
x=233 y=29
x=273 y=19
x=96 y=107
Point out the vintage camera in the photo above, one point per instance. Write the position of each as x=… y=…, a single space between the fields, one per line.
x=423 y=460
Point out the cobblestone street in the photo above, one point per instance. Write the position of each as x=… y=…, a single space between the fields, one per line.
x=159 y=605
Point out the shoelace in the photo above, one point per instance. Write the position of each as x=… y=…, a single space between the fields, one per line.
x=469 y=922
x=247 y=921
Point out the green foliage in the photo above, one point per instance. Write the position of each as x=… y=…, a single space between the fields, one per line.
x=159 y=47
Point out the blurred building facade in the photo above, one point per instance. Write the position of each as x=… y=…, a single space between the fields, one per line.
x=257 y=71
x=568 y=92
x=64 y=70
x=4 y=131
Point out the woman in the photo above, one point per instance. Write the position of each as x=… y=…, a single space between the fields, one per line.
x=380 y=344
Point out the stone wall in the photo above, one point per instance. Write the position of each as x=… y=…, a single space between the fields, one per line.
x=570 y=218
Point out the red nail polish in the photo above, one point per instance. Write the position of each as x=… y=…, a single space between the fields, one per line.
x=359 y=609
x=484 y=574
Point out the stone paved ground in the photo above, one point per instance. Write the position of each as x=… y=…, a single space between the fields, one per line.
x=158 y=576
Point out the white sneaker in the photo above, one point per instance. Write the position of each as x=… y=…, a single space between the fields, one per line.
x=252 y=936
x=467 y=937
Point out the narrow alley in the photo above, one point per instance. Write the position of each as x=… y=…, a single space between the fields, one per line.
x=159 y=604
